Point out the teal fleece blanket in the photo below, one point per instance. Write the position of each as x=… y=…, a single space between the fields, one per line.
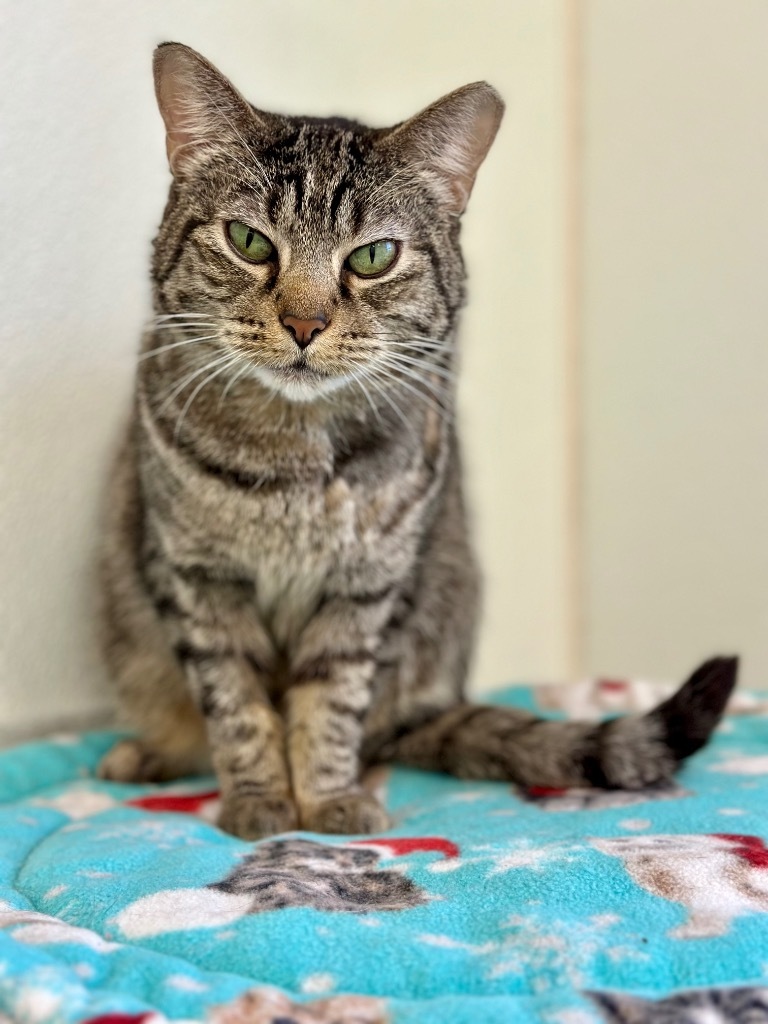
x=126 y=905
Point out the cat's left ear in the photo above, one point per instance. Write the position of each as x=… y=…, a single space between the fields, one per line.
x=451 y=138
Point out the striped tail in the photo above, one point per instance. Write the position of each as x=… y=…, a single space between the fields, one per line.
x=481 y=742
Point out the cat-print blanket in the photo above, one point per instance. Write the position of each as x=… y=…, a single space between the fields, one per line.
x=483 y=905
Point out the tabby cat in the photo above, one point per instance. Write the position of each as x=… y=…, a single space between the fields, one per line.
x=287 y=577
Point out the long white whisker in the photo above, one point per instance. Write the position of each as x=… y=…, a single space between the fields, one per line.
x=176 y=344
x=430 y=402
x=184 y=315
x=231 y=382
x=189 y=378
x=420 y=361
x=358 y=379
x=231 y=360
x=393 y=405
x=416 y=343
x=184 y=325
x=432 y=399
x=399 y=357
x=413 y=343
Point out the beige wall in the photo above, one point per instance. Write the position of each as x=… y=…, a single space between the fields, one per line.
x=675 y=334
x=83 y=183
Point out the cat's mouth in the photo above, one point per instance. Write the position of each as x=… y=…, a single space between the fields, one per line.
x=302 y=369
x=299 y=381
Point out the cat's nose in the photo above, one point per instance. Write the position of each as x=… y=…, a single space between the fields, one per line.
x=304 y=331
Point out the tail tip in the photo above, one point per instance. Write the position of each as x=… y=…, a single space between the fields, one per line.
x=691 y=714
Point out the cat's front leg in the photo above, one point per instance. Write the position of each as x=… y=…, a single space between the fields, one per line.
x=325 y=705
x=324 y=720
x=226 y=657
x=247 y=743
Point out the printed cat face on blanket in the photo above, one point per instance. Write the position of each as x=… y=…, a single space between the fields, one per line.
x=262 y=1006
x=748 y=1005
x=286 y=873
x=715 y=877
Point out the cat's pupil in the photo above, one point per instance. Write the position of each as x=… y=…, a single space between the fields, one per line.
x=372 y=252
x=249 y=238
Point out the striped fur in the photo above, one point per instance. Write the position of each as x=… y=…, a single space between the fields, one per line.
x=288 y=582
x=745 y=1005
x=302 y=873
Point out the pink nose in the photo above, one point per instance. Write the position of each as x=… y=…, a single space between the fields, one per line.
x=304 y=331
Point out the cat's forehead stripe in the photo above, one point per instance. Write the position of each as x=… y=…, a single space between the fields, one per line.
x=323 y=171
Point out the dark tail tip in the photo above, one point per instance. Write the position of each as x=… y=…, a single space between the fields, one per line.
x=689 y=716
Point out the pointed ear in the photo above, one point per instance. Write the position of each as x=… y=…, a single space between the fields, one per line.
x=451 y=138
x=202 y=110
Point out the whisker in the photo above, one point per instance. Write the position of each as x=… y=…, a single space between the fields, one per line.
x=393 y=405
x=358 y=379
x=174 y=316
x=231 y=359
x=441 y=371
x=414 y=343
x=175 y=344
x=432 y=403
x=432 y=399
x=418 y=346
x=231 y=382
x=198 y=325
x=189 y=378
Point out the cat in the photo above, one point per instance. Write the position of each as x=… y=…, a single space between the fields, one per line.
x=715 y=877
x=746 y=1005
x=288 y=583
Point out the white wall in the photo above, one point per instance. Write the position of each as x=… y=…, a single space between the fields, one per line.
x=83 y=181
x=675 y=334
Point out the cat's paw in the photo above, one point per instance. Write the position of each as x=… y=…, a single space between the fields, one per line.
x=131 y=761
x=249 y=817
x=345 y=814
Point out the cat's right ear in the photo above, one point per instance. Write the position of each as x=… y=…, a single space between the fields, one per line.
x=202 y=110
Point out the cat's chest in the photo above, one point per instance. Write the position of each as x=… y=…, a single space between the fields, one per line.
x=298 y=539
x=287 y=539
x=296 y=532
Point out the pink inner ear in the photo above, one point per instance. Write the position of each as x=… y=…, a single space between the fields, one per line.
x=192 y=96
x=175 y=107
x=400 y=847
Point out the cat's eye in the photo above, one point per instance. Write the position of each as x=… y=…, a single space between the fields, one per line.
x=249 y=242
x=372 y=259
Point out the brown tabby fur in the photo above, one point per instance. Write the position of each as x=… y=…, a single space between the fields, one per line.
x=288 y=582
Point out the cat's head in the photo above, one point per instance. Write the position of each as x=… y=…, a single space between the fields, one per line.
x=318 y=253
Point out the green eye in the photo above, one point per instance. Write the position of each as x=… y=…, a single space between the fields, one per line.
x=372 y=259
x=249 y=242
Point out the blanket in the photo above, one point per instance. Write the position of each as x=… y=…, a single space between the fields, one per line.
x=124 y=904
